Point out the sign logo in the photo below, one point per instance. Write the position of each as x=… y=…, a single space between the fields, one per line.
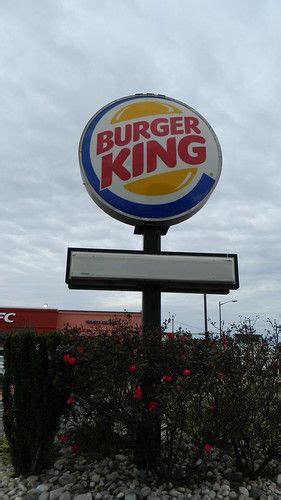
x=7 y=317
x=149 y=159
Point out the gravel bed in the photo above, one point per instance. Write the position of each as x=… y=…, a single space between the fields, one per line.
x=80 y=478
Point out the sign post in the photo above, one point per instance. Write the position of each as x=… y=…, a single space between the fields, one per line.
x=151 y=325
x=150 y=161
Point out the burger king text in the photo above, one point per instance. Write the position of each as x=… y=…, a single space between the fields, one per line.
x=143 y=155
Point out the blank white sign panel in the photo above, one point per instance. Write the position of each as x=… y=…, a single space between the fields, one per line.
x=144 y=267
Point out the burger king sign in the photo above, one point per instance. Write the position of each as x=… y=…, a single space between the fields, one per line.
x=149 y=159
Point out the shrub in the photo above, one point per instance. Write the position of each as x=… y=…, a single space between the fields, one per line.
x=169 y=399
x=172 y=398
x=126 y=390
x=37 y=383
x=5 y=454
x=99 y=418
x=237 y=408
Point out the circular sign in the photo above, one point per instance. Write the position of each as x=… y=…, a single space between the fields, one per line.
x=149 y=159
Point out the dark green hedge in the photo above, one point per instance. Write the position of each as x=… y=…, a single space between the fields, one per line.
x=35 y=389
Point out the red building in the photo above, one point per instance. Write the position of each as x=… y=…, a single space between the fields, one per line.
x=45 y=319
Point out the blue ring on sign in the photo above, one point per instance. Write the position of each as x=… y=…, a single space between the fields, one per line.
x=187 y=202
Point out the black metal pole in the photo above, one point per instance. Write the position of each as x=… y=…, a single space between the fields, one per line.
x=148 y=432
x=151 y=295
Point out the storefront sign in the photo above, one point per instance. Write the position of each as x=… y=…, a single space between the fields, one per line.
x=8 y=317
x=149 y=159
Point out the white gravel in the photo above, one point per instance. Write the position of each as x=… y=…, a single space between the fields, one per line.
x=76 y=477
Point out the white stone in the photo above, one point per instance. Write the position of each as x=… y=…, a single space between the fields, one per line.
x=225 y=489
x=216 y=486
x=174 y=493
x=42 y=487
x=12 y=492
x=84 y=496
x=56 y=493
x=243 y=491
x=130 y=496
x=120 y=457
x=95 y=477
x=21 y=487
x=66 y=496
x=44 y=496
x=144 y=492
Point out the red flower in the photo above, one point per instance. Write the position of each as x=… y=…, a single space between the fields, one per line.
x=133 y=368
x=170 y=336
x=137 y=392
x=186 y=372
x=63 y=438
x=152 y=405
x=74 y=448
x=207 y=447
x=167 y=378
x=212 y=408
x=70 y=360
x=70 y=401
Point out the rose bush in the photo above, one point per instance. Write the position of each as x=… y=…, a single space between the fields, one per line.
x=165 y=399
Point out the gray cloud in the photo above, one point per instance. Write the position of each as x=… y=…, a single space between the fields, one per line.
x=63 y=60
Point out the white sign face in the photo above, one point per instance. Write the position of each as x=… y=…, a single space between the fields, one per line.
x=149 y=159
x=130 y=270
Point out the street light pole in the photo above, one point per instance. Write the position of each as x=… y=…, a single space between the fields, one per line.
x=220 y=305
x=205 y=315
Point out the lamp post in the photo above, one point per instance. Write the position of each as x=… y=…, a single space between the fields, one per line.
x=205 y=316
x=220 y=305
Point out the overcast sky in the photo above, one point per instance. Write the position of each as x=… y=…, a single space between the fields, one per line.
x=61 y=61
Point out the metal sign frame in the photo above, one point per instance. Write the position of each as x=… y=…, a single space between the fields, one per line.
x=167 y=283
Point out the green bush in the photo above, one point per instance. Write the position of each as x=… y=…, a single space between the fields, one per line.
x=99 y=417
x=37 y=383
x=5 y=454
x=205 y=393
x=132 y=394
x=167 y=399
x=237 y=406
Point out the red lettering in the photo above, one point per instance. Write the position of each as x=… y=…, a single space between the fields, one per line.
x=140 y=129
x=137 y=159
x=118 y=135
x=155 y=151
x=176 y=126
x=110 y=166
x=199 y=153
x=104 y=141
x=160 y=126
x=190 y=124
